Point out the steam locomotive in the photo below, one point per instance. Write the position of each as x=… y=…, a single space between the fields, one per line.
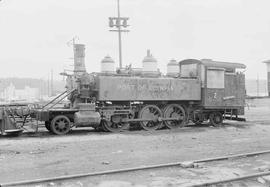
x=192 y=90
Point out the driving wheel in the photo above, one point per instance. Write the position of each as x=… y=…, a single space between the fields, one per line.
x=151 y=113
x=175 y=111
x=115 y=124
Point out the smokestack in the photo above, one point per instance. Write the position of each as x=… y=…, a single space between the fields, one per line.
x=79 y=54
x=268 y=75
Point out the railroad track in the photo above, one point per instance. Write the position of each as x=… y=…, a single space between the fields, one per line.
x=119 y=171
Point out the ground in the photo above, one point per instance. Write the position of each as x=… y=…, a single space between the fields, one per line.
x=42 y=155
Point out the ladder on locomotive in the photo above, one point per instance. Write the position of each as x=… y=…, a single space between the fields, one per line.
x=57 y=99
x=228 y=112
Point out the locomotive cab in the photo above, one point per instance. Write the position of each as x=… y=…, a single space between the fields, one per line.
x=222 y=85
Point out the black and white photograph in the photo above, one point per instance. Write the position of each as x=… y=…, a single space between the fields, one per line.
x=134 y=93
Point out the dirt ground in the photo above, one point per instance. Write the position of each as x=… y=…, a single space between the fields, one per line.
x=42 y=155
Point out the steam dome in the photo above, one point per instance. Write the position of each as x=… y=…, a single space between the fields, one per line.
x=107 y=65
x=172 y=68
x=149 y=63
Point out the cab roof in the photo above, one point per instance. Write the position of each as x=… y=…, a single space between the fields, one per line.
x=211 y=63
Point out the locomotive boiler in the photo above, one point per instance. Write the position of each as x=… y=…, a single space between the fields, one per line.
x=192 y=90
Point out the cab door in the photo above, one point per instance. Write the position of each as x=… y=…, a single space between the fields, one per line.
x=214 y=87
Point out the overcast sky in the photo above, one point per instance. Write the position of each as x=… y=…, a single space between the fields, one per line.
x=34 y=33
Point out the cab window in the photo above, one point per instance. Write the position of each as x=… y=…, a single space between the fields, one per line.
x=215 y=78
x=189 y=71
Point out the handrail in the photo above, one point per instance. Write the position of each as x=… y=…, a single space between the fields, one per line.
x=62 y=98
x=54 y=99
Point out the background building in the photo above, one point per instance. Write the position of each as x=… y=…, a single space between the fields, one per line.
x=27 y=94
x=268 y=75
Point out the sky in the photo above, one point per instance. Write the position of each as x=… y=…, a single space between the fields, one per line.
x=34 y=33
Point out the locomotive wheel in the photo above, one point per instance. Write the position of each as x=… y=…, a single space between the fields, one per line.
x=60 y=125
x=99 y=128
x=216 y=119
x=111 y=126
x=175 y=111
x=103 y=125
x=153 y=113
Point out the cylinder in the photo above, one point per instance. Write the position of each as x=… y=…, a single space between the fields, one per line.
x=149 y=63
x=172 y=68
x=87 y=116
x=107 y=65
x=79 y=54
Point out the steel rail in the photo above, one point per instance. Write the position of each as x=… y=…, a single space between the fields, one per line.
x=69 y=177
x=259 y=174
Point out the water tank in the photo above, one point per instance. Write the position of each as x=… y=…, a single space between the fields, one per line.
x=173 y=68
x=149 y=63
x=107 y=65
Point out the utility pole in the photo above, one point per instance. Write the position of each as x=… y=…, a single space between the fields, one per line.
x=119 y=22
x=258 y=86
x=52 y=83
x=119 y=36
x=40 y=88
x=48 y=85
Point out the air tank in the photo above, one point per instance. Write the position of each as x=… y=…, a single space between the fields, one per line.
x=172 y=68
x=149 y=63
x=107 y=65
